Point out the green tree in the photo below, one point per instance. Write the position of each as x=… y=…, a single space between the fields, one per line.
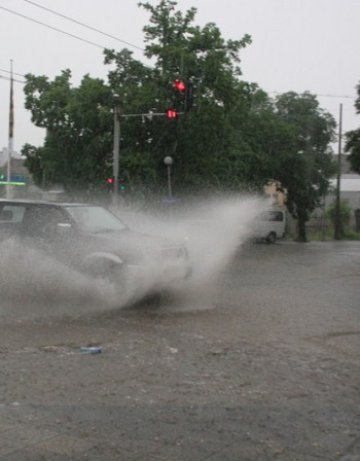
x=353 y=139
x=307 y=167
x=77 y=146
x=265 y=138
x=202 y=140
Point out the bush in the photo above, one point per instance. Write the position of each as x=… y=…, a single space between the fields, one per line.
x=345 y=213
x=345 y=219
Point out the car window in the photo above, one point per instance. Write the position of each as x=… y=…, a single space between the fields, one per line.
x=276 y=216
x=272 y=216
x=95 y=219
x=42 y=220
x=12 y=214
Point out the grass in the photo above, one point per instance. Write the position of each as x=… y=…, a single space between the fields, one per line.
x=328 y=234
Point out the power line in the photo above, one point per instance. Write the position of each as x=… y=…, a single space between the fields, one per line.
x=53 y=28
x=9 y=72
x=338 y=96
x=14 y=79
x=83 y=24
x=273 y=92
x=110 y=36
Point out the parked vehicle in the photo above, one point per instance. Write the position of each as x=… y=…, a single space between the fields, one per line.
x=270 y=225
x=93 y=240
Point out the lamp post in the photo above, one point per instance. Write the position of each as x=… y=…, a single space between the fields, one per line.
x=168 y=162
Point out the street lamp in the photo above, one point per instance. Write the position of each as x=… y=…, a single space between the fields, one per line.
x=168 y=162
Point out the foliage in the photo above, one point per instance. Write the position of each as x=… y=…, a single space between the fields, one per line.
x=201 y=141
x=353 y=139
x=353 y=146
x=345 y=212
x=308 y=166
x=77 y=144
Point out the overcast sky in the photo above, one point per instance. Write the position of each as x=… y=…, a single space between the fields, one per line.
x=297 y=45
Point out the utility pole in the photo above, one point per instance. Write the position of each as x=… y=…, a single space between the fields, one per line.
x=11 y=133
x=116 y=154
x=338 y=228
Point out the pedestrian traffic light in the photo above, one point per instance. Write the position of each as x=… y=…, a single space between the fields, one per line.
x=172 y=114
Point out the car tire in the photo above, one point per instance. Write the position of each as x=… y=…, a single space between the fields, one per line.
x=109 y=272
x=271 y=238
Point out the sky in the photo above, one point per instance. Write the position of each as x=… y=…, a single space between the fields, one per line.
x=297 y=45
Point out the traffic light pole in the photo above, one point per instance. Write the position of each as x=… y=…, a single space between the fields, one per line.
x=185 y=89
x=116 y=149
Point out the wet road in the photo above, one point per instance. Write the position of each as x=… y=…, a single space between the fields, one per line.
x=262 y=364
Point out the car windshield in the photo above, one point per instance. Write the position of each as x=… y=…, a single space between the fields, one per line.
x=271 y=216
x=95 y=219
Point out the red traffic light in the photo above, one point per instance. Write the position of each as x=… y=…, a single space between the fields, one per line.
x=179 y=85
x=110 y=180
x=171 y=113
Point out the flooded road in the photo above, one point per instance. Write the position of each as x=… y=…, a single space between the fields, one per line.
x=260 y=364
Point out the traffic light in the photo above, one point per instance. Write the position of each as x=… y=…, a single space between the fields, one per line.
x=184 y=96
x=110 y=183
x=179 y=85
x=172 y=114
x=122 y=184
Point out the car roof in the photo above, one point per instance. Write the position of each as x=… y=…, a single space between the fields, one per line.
x=43 y=202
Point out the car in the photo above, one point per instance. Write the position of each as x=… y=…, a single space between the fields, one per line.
x=270 y=225
x=95 y=241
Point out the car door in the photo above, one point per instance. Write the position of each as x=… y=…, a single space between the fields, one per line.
x=40 y=230
x=11 y=217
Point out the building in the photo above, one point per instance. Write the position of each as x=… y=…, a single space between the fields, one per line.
x=349 y=193
x=19 y=174
x=349 y=186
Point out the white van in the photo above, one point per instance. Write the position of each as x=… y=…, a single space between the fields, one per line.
x=270 y=225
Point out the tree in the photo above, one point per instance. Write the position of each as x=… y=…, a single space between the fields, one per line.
x=266 y=138
x=200 y=140
x=353 y=139
x=78 y=141
x=306 y=169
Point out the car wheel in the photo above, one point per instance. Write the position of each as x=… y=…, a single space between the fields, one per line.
x=271 y=238
x=115 y=274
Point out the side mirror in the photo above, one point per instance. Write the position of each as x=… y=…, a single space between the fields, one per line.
x=6 y=215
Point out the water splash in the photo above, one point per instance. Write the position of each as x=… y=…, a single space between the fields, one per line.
x=32 y=284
